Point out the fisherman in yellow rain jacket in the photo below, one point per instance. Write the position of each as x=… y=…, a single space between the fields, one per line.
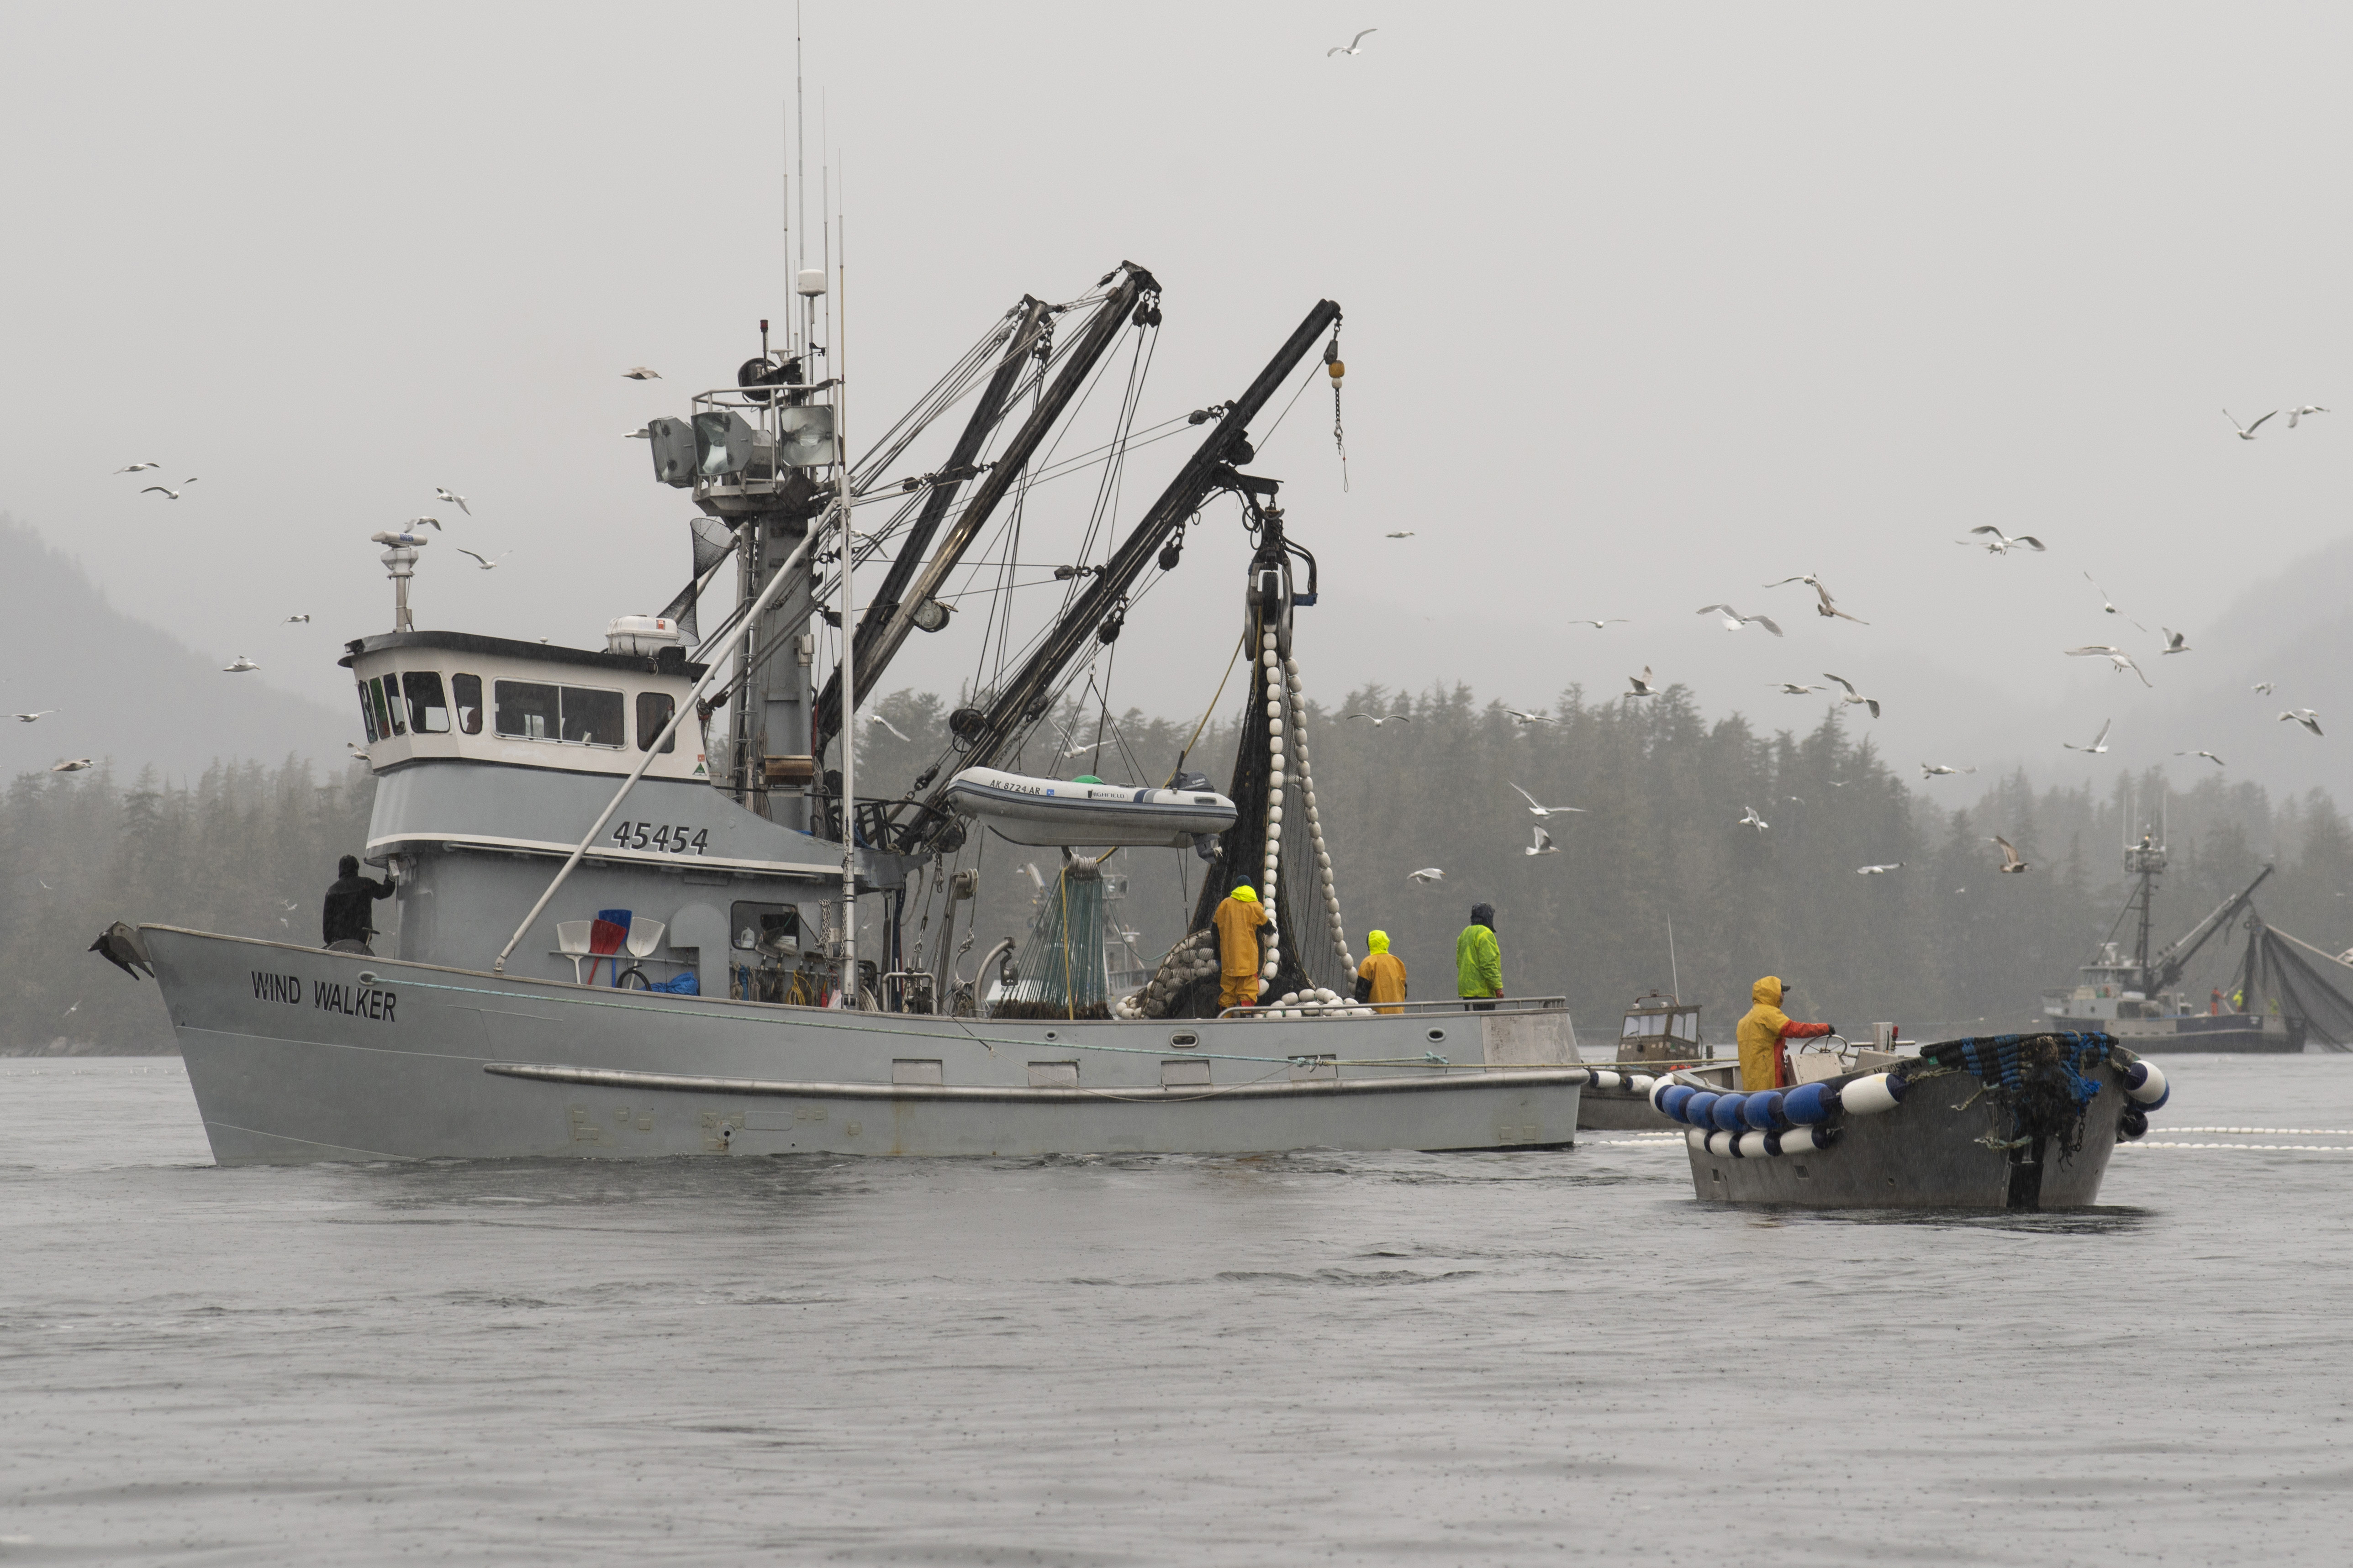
x=1381 y=977
x=1763 y=1064
x=1237 y=920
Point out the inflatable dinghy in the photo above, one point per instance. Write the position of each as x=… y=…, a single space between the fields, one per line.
x=1074 y=811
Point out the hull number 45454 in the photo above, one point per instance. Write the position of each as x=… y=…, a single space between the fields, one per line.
x=660 y=837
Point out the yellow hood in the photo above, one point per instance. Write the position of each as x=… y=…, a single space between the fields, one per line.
x=1767 y=992
x=1378 y=941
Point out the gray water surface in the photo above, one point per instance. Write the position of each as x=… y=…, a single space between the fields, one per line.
x=1394 y=1358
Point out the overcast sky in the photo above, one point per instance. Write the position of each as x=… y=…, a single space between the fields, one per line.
x=1644 y=306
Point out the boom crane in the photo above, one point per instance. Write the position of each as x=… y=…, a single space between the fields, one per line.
x=2161 y=972
x=987 y=413
x=988 y=734
x=1134 y=297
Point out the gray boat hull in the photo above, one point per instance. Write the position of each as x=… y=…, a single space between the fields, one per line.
x=298 y=1054
x=1931 y=1151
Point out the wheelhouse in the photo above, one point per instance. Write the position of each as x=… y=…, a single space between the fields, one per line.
x=452 y=695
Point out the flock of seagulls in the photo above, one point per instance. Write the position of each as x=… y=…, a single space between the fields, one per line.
x=1987 y=537
x=2295 y=418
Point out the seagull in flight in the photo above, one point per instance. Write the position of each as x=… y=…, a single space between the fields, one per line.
x=2296 y=414
x=447 y=497
x=1829 y=606
x=355 y=750
x=640 y=373
x=1378 y=722
x=1791 y=688
x=1352 y=45
x=2174 y=642
x=2246 y=432
x=168 y=492
x=296 y=621
x=138 y=467
x=487 y=563
x=1749 y=819
x=1426 y=876
x=2108 y=604
x=1406 y=535
x=1734 y=620
x=73 y=765
x=1597 y=626
x=2011 y=863
x=413 y=523
x=1525 y=719
x=1543 y=845
x=878 y=719
x=1941 y=769
x=33 y=718
x=240 y=664
x=1541 y=811
x=1879 y=871
x=1642 y=684
x=2099 y=746
x=2263 y=686
x=1852 y=696
x=2000 y=543
x=642 y=433
x=2303 y=715
x=2113 y=653
x=2208 y=755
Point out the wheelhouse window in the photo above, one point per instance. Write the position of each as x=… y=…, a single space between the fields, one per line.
x=367 y=716
x=538 y=710
x=388 y=704
x=427 y=714
x=526 y=709
x=654 y=708
x=468 y=691
x=591 y=717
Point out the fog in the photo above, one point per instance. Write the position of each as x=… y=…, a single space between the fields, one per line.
x=1644 y=308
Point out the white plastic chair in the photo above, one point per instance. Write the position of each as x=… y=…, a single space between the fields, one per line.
x=571 y=941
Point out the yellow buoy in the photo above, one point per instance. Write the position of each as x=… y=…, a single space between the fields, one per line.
x=1338 y=369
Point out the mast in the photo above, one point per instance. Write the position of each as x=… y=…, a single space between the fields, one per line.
x=2145 y=861
x=848 y=672
x=1022 y=699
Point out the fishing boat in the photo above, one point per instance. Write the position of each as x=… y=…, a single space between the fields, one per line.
x=2010 y=1122
x=2137 y=998
x=1659 y=1034
x=648 y=902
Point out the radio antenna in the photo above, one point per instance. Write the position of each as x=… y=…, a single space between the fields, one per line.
x=1674 y=980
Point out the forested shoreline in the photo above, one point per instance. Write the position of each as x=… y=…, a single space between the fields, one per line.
x=248 y=848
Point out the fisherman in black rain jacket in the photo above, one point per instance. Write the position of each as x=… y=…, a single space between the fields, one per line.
x=346 y=916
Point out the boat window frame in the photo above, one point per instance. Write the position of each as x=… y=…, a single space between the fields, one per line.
x=421 y=708
x=620 y=715
x=388 y=706
x=458 y=682
x=367 y=714
x=499 y=686
x=664 y=705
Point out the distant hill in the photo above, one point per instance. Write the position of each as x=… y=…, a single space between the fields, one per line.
x=124 y=689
